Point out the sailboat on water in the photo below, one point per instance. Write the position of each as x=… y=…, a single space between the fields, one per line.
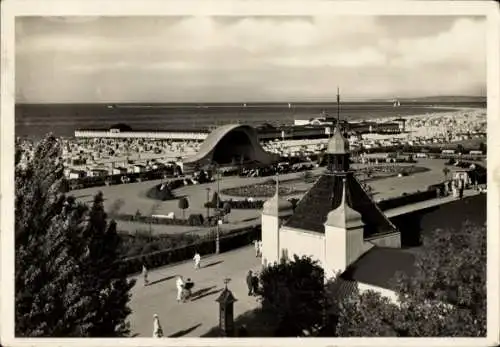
x=396 y=103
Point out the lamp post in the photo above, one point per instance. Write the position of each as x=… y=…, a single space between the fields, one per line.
x=208 y=202
x=217 y=236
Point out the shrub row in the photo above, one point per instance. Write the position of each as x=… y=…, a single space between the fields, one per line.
x=145 y=242
x=205 y=245
x=193 y=220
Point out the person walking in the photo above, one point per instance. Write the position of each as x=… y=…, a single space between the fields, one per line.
x=188 y=287
x=256 y=245
x=180 y=287
x=145 y=274
x=255 y=284
x=197 y=260
x=157 y=330
x=249 y=282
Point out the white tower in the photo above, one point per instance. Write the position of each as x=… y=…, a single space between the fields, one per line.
x=343 y=237
x=273 y=212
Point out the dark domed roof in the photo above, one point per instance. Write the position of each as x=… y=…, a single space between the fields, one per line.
x=338 y=144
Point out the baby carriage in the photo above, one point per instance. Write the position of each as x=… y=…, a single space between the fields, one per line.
x=187 y=289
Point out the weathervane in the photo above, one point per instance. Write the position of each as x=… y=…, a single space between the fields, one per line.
x=226 y=281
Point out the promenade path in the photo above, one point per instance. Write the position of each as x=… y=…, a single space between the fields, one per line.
x=193 y=318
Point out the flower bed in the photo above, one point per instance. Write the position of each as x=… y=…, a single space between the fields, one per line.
x=266 y=189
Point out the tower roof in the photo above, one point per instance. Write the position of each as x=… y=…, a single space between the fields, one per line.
x=344 y=215
x=277 y=206
x=338 y=144
x=327 y=194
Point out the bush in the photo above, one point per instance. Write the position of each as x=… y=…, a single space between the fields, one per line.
x=195 y=219
x=160 y=192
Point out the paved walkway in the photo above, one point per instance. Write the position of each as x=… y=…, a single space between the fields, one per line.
x=193 y=318
x=393 y=212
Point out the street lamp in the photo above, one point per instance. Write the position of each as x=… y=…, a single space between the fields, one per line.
x=217 y=211
x=208 y=202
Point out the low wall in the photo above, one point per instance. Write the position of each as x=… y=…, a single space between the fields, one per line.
x=392 y=240
x=311 y=244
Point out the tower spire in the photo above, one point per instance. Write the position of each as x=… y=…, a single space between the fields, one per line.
x=277 y=190
x=338 y=106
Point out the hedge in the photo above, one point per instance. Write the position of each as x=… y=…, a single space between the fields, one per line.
x=406 y=199
x=192 y=220
x=205 y=245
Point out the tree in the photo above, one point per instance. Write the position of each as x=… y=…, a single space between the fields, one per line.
x=226 y=208
x=216 y=200
x=104 y=275
x=293 y=292
x=183 y=205
x=445 y=297
x=56 y=294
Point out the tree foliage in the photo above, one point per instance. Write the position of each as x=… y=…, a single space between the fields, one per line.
x=293 y=292
x=68 y=281
x=445 y=297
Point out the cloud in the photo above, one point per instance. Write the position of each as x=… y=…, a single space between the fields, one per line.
x=249 y=57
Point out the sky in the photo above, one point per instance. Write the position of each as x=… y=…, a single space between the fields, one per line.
x=245 y=59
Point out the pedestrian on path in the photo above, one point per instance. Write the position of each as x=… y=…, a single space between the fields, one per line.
x=145 y=274
x=255 y=284
x=256 y=245
x=180 y=287
x=157 y=330
x=249 y=282
x=197 y=260
x=188 y=287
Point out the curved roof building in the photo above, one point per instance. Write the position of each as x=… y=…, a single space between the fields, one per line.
x=231 y=144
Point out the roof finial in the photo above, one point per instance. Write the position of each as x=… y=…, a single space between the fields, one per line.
x=277 y=189
x=344 y=193
x=338 y=106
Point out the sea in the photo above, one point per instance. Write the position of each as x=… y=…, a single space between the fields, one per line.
x=36 y=120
